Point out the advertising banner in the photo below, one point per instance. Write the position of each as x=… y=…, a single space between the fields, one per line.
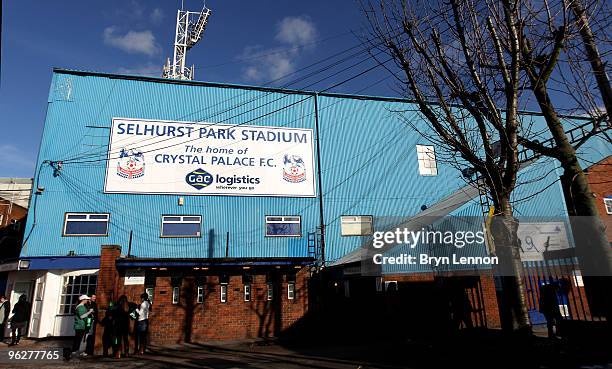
x=164 y=157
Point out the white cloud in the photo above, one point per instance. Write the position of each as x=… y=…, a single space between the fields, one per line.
x=296 y=31
x=267 y=64
x=134 y=42
x=157 y=15
x=148 y=69
x=273 y=63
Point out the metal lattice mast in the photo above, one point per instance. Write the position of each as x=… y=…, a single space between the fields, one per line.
x=188 y=33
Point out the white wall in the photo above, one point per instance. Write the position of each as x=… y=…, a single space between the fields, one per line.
x=50 y=322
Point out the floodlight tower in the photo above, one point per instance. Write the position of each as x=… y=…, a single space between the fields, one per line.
x=188 y=33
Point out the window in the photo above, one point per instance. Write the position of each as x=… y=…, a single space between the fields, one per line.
x=200 y=294
x=379 y=284
x=176 y=291
x=390 y=286
x=359 y=225
x=608 y=203
x=150 y=291
x=247 y=292
x=347 y=289
x=270 y=295
x=427 y=160
x=181 y=225
x=290 y=291
x=73 y=287
x=283 y=226
x=223 y=293
x=85 y=224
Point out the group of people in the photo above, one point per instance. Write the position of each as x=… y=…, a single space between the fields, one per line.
x=18 y=321
x=116 y=324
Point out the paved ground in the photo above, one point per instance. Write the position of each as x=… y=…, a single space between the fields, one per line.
x=483 y=351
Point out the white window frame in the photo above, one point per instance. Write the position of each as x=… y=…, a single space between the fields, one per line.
x=290 y=291
x=608 y=205
x=247 y=292
x=389 y=283
x=363 y=222
x=223 y=293
x=289 y=219
x=181 y=221
x=150 y=291
x=176 y=295
x=426 y=156
x=270 y=291
x=200 y=297
x=64 y=293
x=87 y=219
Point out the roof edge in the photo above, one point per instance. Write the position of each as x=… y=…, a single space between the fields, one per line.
x=266 y=89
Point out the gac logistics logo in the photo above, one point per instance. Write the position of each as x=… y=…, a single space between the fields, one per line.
x=294 y=169
x=131 y=164
x=199 y=179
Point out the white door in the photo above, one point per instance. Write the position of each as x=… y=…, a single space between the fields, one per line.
x=37 y=306
x=19 y=289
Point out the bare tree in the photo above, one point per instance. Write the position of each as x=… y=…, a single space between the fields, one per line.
x=444 y=54
x=553 y=37
x=593 y=56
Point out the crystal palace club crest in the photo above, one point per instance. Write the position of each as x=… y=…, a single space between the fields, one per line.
x=131 y=164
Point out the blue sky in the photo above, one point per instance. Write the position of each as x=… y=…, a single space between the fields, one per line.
x=246 y=42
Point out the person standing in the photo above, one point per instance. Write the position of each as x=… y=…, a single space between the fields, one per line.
x=121 y=320
x=5 y=308
x=142 y=324
x=19 y=320
x=80 y=325
x=94 y=322
x=549 y=307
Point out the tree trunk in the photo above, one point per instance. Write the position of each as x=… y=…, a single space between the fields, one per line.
x=593 y=56
x=591 y=242
x=513 y=301
x=592 y=246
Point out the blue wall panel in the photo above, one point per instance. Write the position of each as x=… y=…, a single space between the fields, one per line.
x=368 y=164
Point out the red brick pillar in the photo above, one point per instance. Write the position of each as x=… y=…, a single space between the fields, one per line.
x=107 y=284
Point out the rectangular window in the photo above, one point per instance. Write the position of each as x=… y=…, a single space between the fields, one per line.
x=608 y=203
x=270 y=294
x=150 y=291
x=86 y=224
x=390 y=286
x=223 y=293
x=73 y=287
x=427 y=160
x=181 y=225
x=200 y=294
x=358 y=225
x=283 y=226
x=247 y=292
x=175 y=295
x=290 y=291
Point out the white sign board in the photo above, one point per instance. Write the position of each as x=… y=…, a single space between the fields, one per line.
x=539 y=237
x=134 y=277
x=162 y=157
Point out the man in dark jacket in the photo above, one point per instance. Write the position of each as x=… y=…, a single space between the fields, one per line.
x=5 y=308
x=19 y=320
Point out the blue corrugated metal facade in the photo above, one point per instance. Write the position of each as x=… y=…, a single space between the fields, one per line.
x=368 y=167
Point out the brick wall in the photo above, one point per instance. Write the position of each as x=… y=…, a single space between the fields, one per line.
x=600 y=180
x=480 y=290
x=211 y=320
